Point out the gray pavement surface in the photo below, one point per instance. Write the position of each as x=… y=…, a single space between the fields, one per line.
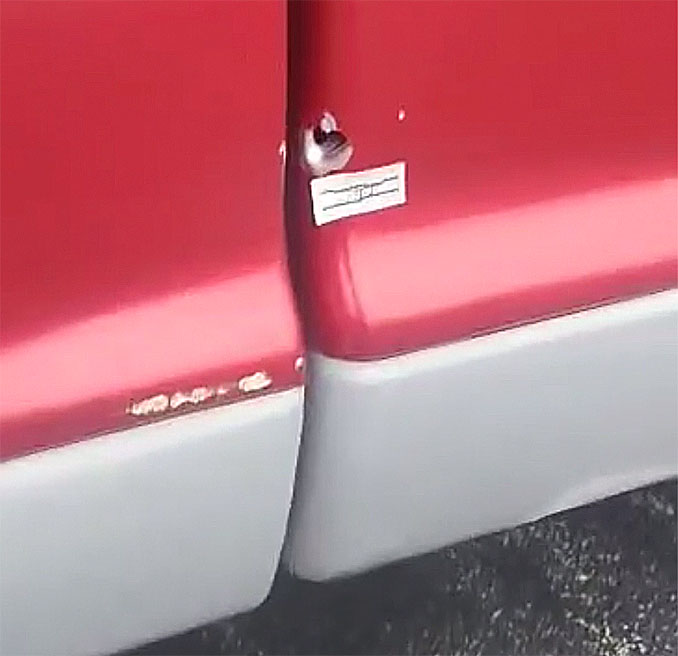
x=597 y=580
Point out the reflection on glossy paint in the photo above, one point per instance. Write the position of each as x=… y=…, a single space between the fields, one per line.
x=138 y=347
x=459 y=277
x=493 y=256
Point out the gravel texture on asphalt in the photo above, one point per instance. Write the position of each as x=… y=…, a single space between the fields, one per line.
x=600 y=580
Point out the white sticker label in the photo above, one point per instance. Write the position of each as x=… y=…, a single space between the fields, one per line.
x=347 y=194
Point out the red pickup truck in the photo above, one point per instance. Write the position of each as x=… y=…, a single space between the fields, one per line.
x=319 y=285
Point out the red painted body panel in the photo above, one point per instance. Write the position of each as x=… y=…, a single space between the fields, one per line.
x=142 y=233
x=540 y=144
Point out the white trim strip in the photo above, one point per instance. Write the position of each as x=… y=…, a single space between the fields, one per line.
x=129 y=537
x=408 y=454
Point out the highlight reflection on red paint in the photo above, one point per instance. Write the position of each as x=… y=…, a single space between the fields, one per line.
x=456 y=278
x=136 y=350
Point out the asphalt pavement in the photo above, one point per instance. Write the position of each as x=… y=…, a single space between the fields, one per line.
x=598 y=580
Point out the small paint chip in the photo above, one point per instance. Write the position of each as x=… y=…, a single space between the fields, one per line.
x=177 y=399
x=401 y=114
x=254 y=382
x=197 y=395
x=162 y=402
x=150 y=406
x=299 y=363
x=224 y=389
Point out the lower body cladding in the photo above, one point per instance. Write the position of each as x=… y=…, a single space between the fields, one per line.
x=128 y=537
x=408 y=454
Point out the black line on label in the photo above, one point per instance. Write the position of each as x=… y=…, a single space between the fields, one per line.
x=360 y=200
x=358 y=185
